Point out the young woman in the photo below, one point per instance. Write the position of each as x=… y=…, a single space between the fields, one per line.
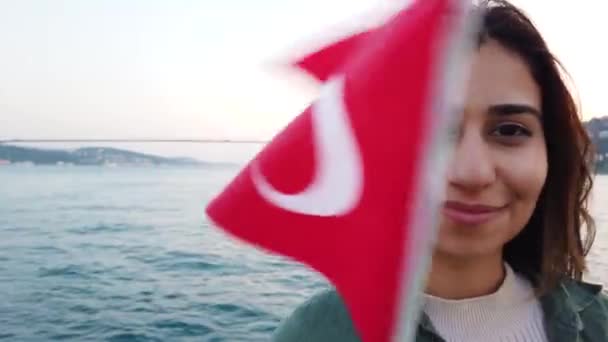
x=515 y=229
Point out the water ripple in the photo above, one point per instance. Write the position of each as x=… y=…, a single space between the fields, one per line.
x=181 y=328
x=109 y=228
x=70 y=271
x=131 y=337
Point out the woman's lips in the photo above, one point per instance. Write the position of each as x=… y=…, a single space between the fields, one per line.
x=470 y=214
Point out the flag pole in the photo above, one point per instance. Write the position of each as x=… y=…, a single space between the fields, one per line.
x=452 y=72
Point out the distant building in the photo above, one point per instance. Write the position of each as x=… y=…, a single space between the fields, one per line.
x=4 y=162
x=603 y=135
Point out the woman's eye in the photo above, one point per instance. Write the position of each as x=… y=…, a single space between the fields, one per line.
x=511 y=130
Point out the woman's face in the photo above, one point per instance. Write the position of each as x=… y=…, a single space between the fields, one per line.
x=500 y=162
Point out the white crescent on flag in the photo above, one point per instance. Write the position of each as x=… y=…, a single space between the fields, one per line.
x=338 y=178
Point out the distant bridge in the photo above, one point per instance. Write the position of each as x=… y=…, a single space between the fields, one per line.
x=196 y=141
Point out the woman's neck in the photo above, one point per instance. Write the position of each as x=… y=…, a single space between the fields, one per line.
x=454 y=278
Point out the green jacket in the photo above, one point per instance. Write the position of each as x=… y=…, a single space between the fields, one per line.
x=574 y=312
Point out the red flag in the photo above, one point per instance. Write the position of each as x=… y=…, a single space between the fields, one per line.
x=350 y=186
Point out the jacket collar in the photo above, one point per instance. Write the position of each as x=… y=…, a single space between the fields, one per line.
x=569 y=295
x=563 y=307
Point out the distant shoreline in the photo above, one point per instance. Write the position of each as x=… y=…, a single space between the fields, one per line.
x=106 y=157
x=123 y=166
x=92 y=156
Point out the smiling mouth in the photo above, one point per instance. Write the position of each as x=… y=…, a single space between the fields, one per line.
x=471 y=214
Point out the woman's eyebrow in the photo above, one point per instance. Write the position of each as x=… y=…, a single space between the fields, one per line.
x=513 y=109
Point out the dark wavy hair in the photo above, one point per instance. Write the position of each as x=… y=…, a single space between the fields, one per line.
x=554 y=243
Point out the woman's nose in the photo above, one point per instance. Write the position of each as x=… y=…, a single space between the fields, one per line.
x=472 y=167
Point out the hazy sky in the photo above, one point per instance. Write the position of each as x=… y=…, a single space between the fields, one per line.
x=186 y=68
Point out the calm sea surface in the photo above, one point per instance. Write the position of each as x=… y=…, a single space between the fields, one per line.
x=125 y=254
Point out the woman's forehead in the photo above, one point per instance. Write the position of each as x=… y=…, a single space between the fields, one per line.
x=500 y=76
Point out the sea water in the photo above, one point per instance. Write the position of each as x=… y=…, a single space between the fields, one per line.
x=125 y=254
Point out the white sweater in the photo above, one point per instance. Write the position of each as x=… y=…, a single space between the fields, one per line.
x=511 y=314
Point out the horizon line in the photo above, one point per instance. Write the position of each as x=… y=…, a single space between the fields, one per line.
x=127 y=140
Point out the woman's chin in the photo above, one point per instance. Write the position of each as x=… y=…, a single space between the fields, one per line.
x=467 y=247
